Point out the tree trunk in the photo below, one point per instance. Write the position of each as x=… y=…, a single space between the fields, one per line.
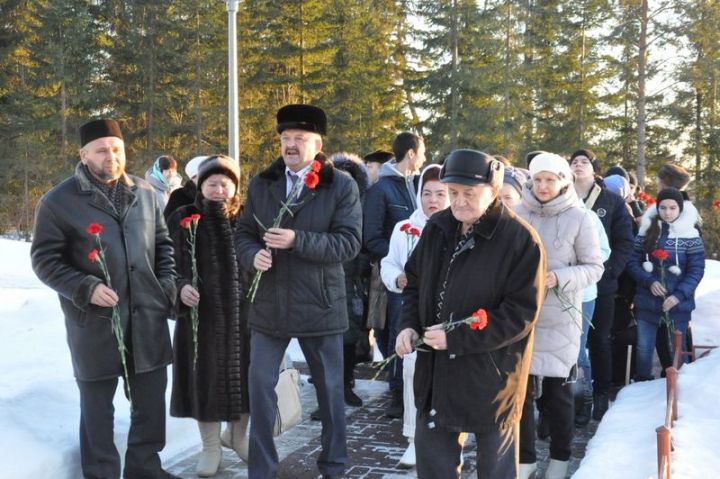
x=641 y=115
x=454 y=78
x=506 y=78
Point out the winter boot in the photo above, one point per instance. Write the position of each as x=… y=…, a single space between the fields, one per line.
x=352 y=399
x=583 y=410
x=235 y=437
x=600 y=405
x=527 y=471
x=557 y=469
x=211 y=454
x=407 y=461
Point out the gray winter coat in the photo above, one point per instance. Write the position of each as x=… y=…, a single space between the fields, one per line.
x=140 y=261
x=303 y=293
x=570 y=239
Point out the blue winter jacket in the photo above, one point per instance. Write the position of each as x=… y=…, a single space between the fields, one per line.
x=390 y=200
x=685 y=248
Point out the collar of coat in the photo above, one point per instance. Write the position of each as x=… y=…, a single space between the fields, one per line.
x=485 y=227
x=87 y=185
x=277 y=170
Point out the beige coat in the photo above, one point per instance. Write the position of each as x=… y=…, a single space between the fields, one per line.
x=570 y=240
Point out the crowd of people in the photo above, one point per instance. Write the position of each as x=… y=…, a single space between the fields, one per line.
x=503 y=297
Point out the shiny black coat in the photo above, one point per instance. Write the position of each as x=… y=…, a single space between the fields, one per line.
x=141 y=265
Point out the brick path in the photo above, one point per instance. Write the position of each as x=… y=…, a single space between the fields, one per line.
x=375 y=443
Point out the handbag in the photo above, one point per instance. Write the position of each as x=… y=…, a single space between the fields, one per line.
x=377 y=300
x=289 y=408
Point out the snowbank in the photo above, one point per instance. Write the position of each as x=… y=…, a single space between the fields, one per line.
x=624 y=445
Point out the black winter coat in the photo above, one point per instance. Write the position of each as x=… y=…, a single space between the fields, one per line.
x=303 y=293
x=478 y=384
x=618 y=225
x=217 y=390
x=180 y=197
x=140 y=260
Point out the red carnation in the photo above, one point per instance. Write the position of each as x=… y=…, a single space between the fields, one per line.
x=93 y=255
x=414 y=231
x=185 y=222
x=716 y=204
x=94 y=228
x=311 y=180
x=195 y=216
x=481 y=320
x=315 y=166
x=405 y=227
x=660 y=254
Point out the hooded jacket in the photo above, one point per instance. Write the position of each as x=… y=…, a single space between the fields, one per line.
x=479 y=383
x=402 y=242
x=140 y=260
x=303 y=293
x=684 y=246
x=390 y=200
x=568 y=234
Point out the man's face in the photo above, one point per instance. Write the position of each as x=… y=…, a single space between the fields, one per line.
x=373 y=168
x=417 y=158
x=299 y=147
x=468 y=203
x=582 y=167
x=105 y=158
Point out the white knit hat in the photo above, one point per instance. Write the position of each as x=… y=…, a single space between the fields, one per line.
x=554 y=164
x=192 y=166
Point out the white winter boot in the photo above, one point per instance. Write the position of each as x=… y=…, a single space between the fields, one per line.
x=407 y=461
x=556 y=469
x=235 y=437
x=527 y=471
x=211 y=454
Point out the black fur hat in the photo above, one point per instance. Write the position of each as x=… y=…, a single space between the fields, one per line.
x=302 y=117
x=378 y=156
x=95 y=129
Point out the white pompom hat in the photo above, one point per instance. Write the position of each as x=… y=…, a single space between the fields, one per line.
x=554 y=164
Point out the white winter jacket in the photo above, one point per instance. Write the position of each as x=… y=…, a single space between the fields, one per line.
x=568 y=234
x=401 y=245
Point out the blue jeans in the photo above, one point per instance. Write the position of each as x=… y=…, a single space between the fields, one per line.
x=647 y=330
x=588 y=307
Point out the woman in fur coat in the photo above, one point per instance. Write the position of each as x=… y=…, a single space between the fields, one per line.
x=215 y=388
x=667 y=263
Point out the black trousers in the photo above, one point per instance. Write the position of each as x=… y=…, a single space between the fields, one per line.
x=146 y=438
x=438 y=452
x=599 y=343
x=557 y=400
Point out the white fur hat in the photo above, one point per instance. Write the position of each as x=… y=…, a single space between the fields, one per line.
x=554 y=164
x=192 y=166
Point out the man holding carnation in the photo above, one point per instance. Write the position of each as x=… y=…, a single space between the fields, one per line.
x=102 y=207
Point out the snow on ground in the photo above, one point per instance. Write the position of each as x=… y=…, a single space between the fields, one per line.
x=624 y=445
x=39 y=405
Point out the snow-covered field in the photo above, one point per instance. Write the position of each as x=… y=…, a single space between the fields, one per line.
x=39 y=407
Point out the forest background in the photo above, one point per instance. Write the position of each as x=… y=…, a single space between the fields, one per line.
x=636 y=81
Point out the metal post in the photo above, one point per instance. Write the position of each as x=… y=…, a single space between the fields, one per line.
x=233 y=130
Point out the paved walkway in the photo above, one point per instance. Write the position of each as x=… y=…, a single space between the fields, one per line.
x=375 y=443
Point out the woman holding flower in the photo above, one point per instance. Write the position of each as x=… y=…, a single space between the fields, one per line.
x=432 y=197
x=668 y=262
x=210 y=369
x=569 y=235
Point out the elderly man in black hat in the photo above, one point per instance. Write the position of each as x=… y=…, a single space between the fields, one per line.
x=301 y=293
x=139 y=257
x=475 y=260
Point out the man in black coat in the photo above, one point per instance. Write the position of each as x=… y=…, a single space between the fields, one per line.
x=477 y=257
x=302 y=289
x=140 y=263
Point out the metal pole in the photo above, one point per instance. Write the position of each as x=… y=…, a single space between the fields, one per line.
x=233 y=130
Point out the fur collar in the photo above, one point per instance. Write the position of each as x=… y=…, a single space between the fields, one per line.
x=277 y=170
x=683 y=227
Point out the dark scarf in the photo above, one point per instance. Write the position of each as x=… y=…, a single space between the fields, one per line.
x=116 y=195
